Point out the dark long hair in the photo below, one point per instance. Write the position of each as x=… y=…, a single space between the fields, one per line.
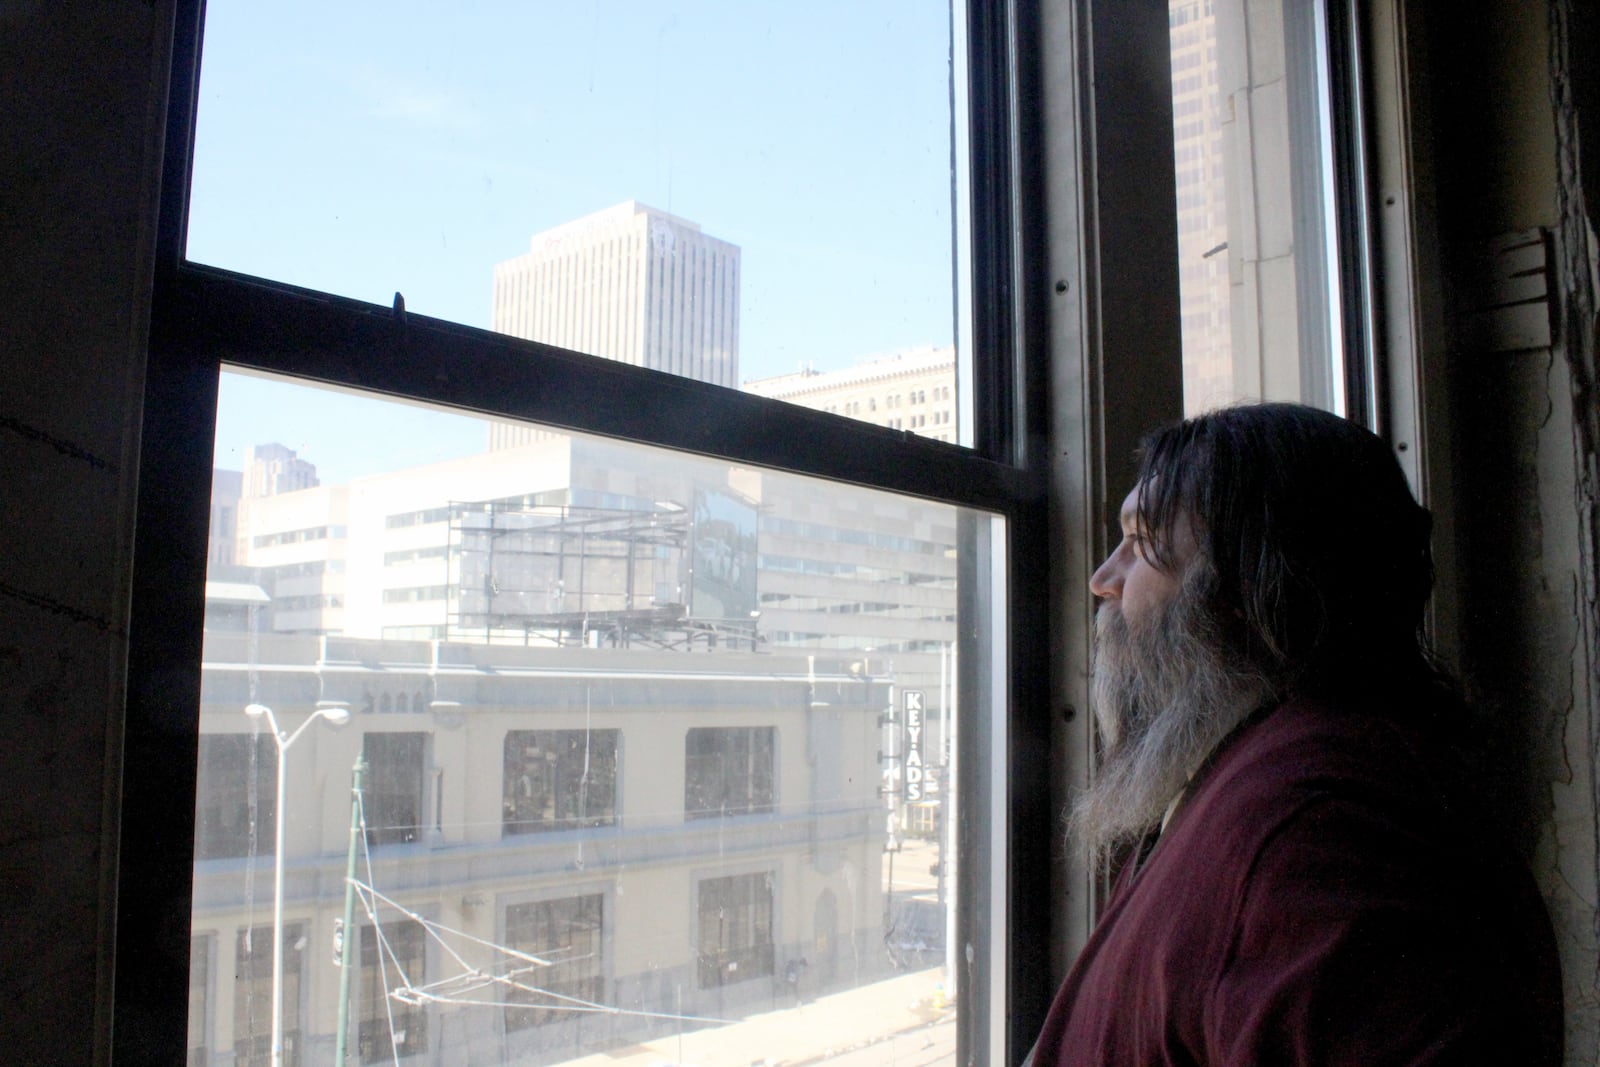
x=1320 y=550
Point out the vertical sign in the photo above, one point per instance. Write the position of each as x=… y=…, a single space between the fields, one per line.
x=911 y=706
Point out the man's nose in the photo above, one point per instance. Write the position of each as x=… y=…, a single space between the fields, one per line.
x=1106 y=581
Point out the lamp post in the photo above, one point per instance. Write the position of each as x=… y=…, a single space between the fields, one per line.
x=338 y=713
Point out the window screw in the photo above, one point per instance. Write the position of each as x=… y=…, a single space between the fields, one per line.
x=1069 y=713
x=1061 y=285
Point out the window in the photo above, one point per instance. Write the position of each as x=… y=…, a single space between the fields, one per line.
x=632 y=622
x=1262 y=308
x=559 y=779
x=735 y=915
x=728 y=770
x=393 y=809
x=252 y=995
x=638 y=599
x=392 y=959
x=669 y=255
x=199 y=998
x=235 y=793
x=567 y=934
x=416 y=594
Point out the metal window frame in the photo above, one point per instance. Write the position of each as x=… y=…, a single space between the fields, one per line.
x=203 y=317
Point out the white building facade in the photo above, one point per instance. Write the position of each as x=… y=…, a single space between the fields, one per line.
x=629 y=283
x=1200 y=130
x=560 y=851
x=912 y=390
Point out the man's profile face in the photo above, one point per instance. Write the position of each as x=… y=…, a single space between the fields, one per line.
x=1167 y=683
x=1130 y=581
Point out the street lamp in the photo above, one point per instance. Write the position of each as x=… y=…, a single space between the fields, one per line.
x=338 y=713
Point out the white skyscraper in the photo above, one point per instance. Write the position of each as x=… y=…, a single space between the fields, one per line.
x=629 y=283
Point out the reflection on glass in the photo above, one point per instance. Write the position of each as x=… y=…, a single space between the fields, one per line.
x=1199 y=149
x=654 y=753
x=758 y=196
x=1253 y=195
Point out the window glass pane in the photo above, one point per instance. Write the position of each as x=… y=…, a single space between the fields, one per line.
x=652 y=749
x=1200 y=159
x=393 y=796
x=755 y=195
x=233 y=823
x=728 y=771
x=559 y=779
x=565 y=934
x=1253 y=199
x=199 y=993
x=393 y=960
x=250 y=1022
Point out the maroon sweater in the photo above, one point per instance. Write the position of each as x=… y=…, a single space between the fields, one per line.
x=1320 y=897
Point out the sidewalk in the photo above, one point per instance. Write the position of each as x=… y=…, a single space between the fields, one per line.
x=791 y=1037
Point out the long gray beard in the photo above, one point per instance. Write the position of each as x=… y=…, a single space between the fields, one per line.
x=1164 y=697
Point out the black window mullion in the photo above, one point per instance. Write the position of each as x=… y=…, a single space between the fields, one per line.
x=219 y=317
x=991 y=94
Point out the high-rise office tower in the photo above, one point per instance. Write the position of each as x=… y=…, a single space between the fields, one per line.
x=273 y=469
x=629 y=283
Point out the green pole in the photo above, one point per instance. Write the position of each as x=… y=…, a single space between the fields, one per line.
x=349 y=945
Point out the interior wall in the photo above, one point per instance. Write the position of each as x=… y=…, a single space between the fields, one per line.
x=81 y=109
x=1521 y=329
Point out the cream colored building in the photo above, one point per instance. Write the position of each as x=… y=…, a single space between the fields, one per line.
x=912 y=390
x=273 y=468
x=629 y=283
x=662 y=837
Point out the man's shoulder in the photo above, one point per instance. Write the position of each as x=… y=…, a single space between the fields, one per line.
x=1321 y=853
x=1307 y=760
x=1303 y=746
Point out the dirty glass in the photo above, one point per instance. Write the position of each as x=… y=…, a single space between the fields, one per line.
x=586 y=750
x=1252 y=146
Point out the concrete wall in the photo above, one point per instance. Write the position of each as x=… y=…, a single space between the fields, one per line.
x=1522 y=462
x=81 y=112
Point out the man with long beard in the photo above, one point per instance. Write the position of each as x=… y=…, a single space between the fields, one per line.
x=1305 y=876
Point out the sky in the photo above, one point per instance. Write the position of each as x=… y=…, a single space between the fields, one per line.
x=367 y=149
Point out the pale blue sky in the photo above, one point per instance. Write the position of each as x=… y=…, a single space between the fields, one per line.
x=362 y=149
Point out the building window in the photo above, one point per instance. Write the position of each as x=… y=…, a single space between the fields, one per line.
x=728 y=770
x=735 y=929
x=566 y=933
x=389 y=1027
x=252 y=995
x=559 y=780
x=199 y=991
x=416 y=594
x=393 y=801
x=235 y=796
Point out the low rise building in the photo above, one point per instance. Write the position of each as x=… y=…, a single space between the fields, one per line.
x=560 y=850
